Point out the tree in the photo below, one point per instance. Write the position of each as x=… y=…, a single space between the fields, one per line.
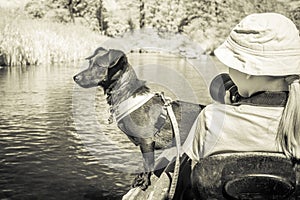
x=125 y=17
x=70 y=7
x=100 y=14
x=207 y=21
x=142 y=14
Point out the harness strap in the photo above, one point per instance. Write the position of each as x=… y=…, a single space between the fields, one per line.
x=126 y=107
x=174 y=123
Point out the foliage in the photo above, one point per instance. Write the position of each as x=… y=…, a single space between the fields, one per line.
x=294 y=12
x=206 y=21
x=58 y=15
x=36 y=8
x=209 y=22
x=82 y=11
x=44 y=42
x=166 y=16
x=124 y=18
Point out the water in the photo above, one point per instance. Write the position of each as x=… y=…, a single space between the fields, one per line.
x=55 y=142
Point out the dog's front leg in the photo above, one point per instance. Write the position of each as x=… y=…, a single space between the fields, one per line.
x=147 y=149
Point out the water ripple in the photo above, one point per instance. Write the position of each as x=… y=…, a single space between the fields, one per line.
x=52 y=147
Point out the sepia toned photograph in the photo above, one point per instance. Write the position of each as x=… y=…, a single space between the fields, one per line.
x=149 y=99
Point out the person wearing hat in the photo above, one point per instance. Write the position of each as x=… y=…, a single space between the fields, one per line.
x=263 y=56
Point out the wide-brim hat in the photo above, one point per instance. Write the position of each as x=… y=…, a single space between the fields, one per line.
x=262 y=44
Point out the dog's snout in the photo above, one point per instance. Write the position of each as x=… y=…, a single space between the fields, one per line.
x=77 y=78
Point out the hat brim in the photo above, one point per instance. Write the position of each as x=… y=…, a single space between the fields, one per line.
x=259 y=65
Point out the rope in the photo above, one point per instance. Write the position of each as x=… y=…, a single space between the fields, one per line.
x=178 y=145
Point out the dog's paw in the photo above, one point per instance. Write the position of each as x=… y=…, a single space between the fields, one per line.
x=142 y=180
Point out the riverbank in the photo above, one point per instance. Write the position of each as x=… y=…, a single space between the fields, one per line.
x=43 y=33
x=26 y=41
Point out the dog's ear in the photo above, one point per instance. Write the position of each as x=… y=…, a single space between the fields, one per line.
x=114 y=57
x=99 y=50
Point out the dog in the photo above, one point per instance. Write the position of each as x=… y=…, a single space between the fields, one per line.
x=139 y=113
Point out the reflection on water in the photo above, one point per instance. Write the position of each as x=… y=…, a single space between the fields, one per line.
x=46 y=152
x=41 y=155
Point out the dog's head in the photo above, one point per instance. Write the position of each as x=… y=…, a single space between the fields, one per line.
x=105 y=67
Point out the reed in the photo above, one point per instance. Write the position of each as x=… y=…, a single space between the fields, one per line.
x=25 y=41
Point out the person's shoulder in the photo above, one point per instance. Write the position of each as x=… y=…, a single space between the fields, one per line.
x=215 y=109
x=218 y=106
x=229 y=109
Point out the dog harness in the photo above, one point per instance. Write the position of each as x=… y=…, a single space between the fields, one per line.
x=129 y=105
x=175 y=127
x=133 y=103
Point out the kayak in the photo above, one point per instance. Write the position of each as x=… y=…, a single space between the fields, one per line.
x=245 y=175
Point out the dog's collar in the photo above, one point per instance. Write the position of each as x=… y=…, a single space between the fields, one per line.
x=129 y=105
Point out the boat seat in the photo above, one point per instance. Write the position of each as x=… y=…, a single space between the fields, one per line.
x=246 y=175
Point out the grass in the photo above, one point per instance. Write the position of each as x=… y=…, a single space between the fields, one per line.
x=25 y=41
